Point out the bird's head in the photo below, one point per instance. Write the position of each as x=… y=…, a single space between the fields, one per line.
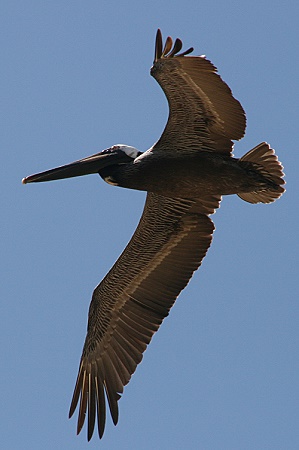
x=115 y=155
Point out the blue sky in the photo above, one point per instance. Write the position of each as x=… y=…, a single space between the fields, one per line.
x=222 y=372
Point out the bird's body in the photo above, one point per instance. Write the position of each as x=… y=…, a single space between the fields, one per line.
x=200 y=174
x=185 y=174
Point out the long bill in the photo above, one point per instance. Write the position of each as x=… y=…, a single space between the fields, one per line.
x=85 y=166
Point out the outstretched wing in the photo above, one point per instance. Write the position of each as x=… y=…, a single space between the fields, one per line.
x=203 y=114
x=130 y=303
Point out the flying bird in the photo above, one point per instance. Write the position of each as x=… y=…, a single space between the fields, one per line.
x=184 y=173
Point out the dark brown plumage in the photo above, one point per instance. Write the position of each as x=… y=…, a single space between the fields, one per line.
x=185 y=173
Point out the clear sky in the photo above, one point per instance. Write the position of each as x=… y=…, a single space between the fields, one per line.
x=222 y=372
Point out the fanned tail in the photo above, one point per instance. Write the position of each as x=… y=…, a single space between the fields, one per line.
x=266 y=163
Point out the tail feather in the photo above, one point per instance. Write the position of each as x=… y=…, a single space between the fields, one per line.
x=266 y=163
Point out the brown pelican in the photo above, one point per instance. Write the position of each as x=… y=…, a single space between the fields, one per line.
x=185 y=174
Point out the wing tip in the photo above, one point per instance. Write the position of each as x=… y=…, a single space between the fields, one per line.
x=158 y=45
x=169 y=50
x=89 y=394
